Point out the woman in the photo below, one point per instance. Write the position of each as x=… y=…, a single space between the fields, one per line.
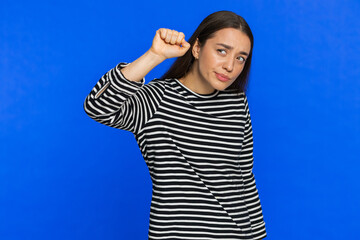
x=193 y=128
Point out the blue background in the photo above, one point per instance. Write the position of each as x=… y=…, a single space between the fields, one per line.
x=65 y=176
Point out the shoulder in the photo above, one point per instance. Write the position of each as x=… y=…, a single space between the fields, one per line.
x=235 y=98
x=155 y=89
x=158 y=83
x=161 y=82
x=155 y=84
x=233 y=94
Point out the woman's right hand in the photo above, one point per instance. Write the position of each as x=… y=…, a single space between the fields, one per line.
x=169 y=43
x=166 y=44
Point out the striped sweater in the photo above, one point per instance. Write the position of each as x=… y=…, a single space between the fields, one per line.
x=199 y=152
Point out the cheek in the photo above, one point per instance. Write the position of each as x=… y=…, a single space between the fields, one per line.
x=240 y=69
x=205 y=64
x=210 y=59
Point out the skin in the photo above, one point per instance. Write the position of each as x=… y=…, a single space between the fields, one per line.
x=223 y=55
x=166 y=44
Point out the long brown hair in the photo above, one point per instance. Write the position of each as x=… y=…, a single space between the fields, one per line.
x=207 y=28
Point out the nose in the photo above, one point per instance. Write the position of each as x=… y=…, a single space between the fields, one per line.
x=229 y=64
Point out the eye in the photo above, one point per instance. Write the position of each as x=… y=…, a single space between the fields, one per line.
x=221 y=51
x=241 y=59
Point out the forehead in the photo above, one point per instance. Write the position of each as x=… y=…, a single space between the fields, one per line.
x=232 y=37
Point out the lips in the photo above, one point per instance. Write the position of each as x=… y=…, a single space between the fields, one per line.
x=222 y=77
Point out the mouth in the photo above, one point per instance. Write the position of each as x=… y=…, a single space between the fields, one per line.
x=222 y=77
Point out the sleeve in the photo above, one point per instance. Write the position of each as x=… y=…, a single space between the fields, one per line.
x=120 y=103
x=246 y=157
x=252 y=199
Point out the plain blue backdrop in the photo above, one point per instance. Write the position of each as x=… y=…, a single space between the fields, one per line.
x=65 y=176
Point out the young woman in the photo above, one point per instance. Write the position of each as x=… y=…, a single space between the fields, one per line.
x=193 y=128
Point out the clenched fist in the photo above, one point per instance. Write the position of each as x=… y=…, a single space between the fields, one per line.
x=169 y=43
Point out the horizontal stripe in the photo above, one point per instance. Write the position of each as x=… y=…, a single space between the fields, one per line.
x=199 y=152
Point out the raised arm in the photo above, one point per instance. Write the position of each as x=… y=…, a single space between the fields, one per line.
x=119 y=98
x=166 y=44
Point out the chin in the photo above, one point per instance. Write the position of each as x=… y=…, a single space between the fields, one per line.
x=222 y=86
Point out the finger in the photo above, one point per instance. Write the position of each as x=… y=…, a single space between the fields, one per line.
x=183 y=50
x=174 y=37
x=168 y=36
x=185 y=44
x=163 y=32
x=179 y=38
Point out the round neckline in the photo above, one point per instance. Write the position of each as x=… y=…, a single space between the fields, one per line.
x=207 y=95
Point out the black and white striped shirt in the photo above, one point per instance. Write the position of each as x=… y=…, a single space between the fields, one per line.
x=199 y=152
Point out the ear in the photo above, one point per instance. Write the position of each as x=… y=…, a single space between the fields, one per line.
x=196 y=49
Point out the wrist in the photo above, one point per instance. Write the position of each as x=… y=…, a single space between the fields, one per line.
x=155 y=57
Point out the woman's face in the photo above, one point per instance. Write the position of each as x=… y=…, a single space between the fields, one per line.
x=222 y=58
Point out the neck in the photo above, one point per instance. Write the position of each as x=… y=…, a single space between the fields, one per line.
x=194 y=81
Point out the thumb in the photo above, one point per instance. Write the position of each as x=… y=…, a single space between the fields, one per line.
x=183 y=50
x=184 y=47
x=185 y=44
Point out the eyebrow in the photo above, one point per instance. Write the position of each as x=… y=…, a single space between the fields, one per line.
x=230 y=48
